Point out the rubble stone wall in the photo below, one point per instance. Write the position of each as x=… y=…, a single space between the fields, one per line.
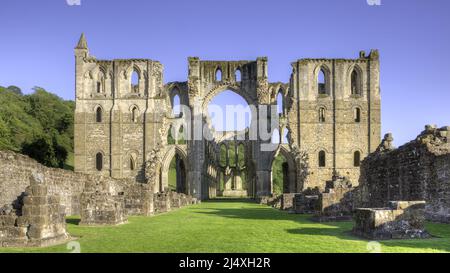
x=16 y=170
x=418 y=170
x=37 y=219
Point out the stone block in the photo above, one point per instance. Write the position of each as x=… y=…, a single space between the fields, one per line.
x=401 y=220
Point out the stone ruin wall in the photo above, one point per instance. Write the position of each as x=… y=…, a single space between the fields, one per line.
x=35 y=199
x=37 y=219
x=15 y=172
x=138 y=198
x=418 y=170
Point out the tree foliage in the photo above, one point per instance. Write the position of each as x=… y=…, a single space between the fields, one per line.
x=277 y=174
x=39 y=125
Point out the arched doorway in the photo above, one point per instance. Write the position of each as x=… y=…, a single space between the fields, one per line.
x=283 y=173
x=177 y=175
x=174 y=171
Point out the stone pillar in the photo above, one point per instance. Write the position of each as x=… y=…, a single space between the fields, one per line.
x=263 y=187
x=228 y=181
x=42 y=221
x=292 y=181
x=238 y=182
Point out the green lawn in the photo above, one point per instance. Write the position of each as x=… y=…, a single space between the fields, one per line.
x=234 y=226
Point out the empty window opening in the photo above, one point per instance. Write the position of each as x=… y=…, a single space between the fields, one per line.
x=135 y=82
x=132 y=163
x=176 y=105
x=280 y=103
x=357 y=159
x=237 y=75
x=322 y=159
x=322 y=82
x=134 y=114
x=321 y=115
x=98 y=114
x=355 y=83
x=218 y=75
x=357 y=114
x=99 y=161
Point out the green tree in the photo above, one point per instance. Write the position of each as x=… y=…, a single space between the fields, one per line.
x=39 y=125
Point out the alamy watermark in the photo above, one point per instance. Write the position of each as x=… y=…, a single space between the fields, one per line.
x=73 y=2
x=251 y=123
x=373 y=247
x=374 y=2
x=74 y=247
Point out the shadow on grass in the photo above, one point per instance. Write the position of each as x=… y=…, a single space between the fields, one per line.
x=341 y=230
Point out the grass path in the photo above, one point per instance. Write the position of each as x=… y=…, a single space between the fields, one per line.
x=234 y=226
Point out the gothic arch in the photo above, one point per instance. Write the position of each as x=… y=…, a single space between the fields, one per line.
x=134 y=113
x=290 y=183
x=165 y=164
x=284 y=151
x=360 y=79
x=323 y=67
x=250 y=99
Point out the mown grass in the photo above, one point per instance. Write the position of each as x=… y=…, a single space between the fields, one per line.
x=234 y=226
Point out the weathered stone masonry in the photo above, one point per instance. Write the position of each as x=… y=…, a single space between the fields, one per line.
x=418 y=170
x=35 y=219
x=33 y=210
x=120 y=125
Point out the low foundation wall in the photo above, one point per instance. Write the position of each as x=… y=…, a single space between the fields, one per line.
x=401 y=220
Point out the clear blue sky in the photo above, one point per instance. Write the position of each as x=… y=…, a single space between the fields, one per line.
x=413 y=36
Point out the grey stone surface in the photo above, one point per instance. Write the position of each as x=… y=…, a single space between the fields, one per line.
x=417 y=170
x=401 y=220
x=37 y=219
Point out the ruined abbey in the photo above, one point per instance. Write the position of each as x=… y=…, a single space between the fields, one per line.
x=130 y=126
x=330 y=114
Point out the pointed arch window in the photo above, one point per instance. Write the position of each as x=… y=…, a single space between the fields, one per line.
x=321 y=114
x=355 y=83
x=99 y=161
x=357 y=159
x=322 y=82
x=181 y=139
x=98 y=114
x=170 y=136
x=237 y=75
x=218 y=75
x=132 y=163
x=101 y=83
x=135 y=82
x=134 y=114
x=223 y=154
x=241 y=155
x=357 y=115
x=322 y=159
x=176 y=106
x=280 y=104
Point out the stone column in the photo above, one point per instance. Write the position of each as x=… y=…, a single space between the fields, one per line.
x=263 y=187
x=292 y=181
